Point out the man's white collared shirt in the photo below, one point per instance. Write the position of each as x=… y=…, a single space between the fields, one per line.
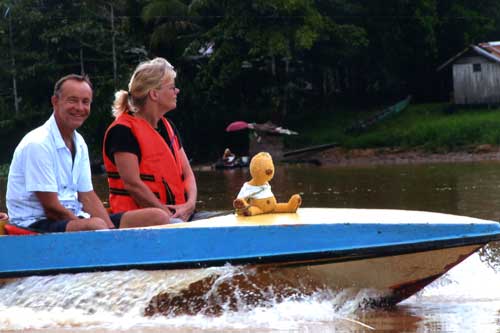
x=43 y=163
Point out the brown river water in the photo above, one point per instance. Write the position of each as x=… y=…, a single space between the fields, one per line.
x=466 y=299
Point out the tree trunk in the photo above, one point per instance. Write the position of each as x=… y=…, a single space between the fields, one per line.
x=82 y=68
x=13 y=64
x=113 y=46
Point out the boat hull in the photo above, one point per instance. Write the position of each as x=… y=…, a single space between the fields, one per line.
x=395 y=277
x=382 y=281
x=396 y=252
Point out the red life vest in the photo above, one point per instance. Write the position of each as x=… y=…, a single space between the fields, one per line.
x=160 y=167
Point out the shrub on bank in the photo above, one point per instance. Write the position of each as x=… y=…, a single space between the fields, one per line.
x=428 y=126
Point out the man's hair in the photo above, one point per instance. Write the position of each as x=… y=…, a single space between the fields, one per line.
x=76 y=77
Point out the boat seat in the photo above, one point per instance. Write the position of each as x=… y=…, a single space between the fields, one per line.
x=11 y=229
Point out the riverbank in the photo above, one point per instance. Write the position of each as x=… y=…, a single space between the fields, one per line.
x=387 y=156
x=424 y=133
x=384 y=156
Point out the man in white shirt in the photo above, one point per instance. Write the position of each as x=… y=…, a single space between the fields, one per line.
x=49 y=188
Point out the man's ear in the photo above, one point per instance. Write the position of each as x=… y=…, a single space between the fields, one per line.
x=53 y=100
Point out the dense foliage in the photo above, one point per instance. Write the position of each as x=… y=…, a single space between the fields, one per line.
x=279 y=60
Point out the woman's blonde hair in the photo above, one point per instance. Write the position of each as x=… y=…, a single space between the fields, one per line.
x=148 y=75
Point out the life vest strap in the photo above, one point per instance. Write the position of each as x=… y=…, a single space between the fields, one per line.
x=116 y=175
x=119 y=191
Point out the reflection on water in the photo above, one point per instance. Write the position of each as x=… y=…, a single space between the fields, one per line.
x=470 y=189
x=466 y=299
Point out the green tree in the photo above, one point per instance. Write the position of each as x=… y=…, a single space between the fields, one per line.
x=170 y=25
x=403 y=46
x=52 y=39
x=261 y=53
x=465 y=22
x=247 y=60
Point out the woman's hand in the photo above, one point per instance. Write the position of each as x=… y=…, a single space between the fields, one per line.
x=182 y=211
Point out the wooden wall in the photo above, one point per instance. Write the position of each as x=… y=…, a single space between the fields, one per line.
x=476 y=87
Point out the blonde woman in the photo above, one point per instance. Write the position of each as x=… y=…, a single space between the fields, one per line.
x=143 y=153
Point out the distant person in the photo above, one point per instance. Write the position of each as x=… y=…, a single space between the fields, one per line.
x=228 y=158
x=49 y=187
x=143 y=154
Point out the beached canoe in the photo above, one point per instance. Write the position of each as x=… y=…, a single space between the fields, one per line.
x=397 y=252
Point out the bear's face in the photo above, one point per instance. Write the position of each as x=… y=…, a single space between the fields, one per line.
x=262 y=168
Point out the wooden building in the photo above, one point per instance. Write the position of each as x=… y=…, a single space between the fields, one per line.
x=476 y=74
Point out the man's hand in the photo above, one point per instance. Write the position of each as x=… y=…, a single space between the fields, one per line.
x=53 y=208
x=93 y=205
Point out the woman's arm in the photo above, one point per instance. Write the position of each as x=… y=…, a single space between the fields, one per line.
x=184 y=211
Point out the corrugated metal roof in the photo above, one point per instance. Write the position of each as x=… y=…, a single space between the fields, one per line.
x=492 y=47
x=486 y=53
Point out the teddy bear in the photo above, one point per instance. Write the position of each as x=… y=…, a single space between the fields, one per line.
x=255 y=197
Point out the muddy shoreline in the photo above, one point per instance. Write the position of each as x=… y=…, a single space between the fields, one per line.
x=387 y=156
x=384 y=156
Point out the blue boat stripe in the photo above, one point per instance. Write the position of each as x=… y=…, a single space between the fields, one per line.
x=201 y=247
